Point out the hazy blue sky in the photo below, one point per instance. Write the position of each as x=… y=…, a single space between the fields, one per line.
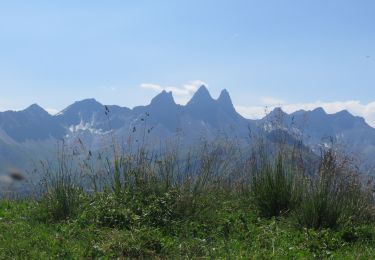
x=290 y=53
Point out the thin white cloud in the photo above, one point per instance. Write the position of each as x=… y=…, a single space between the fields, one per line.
x=152 y=86
x=52 y=111
x=355 y=107
x=271 y=101
x=252 y=112
x=182 y=94
x=5 y=104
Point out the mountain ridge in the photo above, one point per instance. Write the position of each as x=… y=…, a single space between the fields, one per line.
x=162 y=119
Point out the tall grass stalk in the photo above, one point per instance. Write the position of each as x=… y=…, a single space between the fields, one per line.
x=334 y=196
x=275 y=188
x=61 y=192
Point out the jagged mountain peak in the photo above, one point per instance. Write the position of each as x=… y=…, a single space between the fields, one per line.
x=224 y=97
x=201 y=96
x=81 y=111
x=35 y=109
x=225 y=101
x=319 y=110
x=203 y=90
x=277 y=111
x=344 y=118
x=89 y=104
x=163 y=98
x=344 y=113
x=298 y=112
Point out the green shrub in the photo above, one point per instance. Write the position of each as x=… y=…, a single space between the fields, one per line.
x=130 y=210
x=353 y=234
x=107 y=210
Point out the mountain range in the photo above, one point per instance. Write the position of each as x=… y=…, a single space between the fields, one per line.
x=30 y=135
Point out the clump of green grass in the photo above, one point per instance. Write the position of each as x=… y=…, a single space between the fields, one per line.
x=334 y=196
x=276 y=189
x=61 y=194
x=61 y=201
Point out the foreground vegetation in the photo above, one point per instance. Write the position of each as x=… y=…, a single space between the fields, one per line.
x=231 y=231
x=215 y=204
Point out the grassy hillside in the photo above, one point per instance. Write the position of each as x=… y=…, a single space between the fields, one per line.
x=232 y=230
x=207 y=206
